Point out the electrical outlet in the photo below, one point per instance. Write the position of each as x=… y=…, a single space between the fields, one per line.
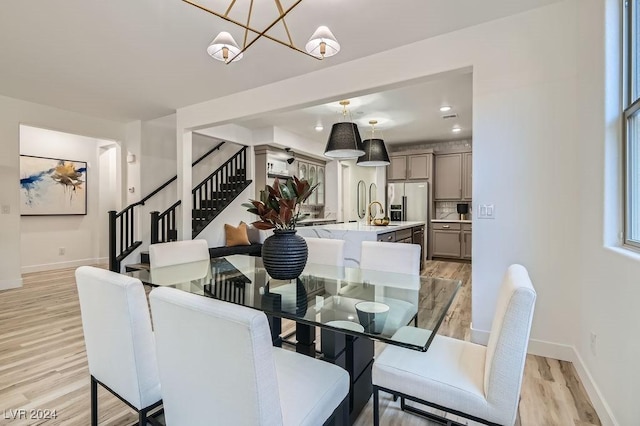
x=6 y=209
x=61 y=251
x=593 y=340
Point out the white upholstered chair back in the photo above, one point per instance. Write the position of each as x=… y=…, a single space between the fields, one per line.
x=507 y=347
x=390 y=257
x=117 y=334
x=216 y=361
x=325 y=251
x=179 y=261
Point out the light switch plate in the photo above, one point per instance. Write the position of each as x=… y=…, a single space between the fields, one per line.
x=486 y=211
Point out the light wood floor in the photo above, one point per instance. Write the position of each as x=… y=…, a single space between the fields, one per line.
x=43 y=363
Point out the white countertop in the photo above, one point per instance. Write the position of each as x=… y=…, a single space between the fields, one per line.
x=450 y=221
x=317 y=220
x=362 y=227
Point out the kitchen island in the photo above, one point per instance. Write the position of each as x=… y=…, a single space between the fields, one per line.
x=354 y=233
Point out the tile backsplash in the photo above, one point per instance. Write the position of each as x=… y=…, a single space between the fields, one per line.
x=436 y=146
x=448 y=210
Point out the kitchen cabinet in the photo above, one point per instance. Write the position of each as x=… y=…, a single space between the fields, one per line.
x=315 y=174
x=453 y=176
x=320 y=188
x=466 y=242
x=448 y=177
x=418 y=238
x=414 y=235
x=398 y=168
x=303 y=170
x=452 y=240
x=271 y=163
x=467 y=174
x=419 y=166
x=410 y=167
x=313 y=178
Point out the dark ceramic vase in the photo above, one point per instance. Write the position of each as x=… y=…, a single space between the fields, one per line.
x=284 y=254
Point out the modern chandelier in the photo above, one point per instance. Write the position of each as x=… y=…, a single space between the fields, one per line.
x=322 y=43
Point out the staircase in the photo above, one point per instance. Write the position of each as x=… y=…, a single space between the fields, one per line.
x=218 y=190
x=210 y=197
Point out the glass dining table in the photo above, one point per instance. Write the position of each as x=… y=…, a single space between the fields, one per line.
x=353 y=307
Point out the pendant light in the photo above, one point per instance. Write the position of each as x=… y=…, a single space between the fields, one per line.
x=375 y=153
x=344 y=139
x=224 y=48
x=322 y=43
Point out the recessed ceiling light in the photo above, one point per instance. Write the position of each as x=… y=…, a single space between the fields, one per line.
x=319 y=128
x=445 y=108
x=456 y=130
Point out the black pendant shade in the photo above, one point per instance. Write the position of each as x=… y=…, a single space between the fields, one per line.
x=344 y=141
x=375 y=154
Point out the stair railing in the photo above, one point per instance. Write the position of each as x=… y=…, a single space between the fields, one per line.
x=122 y=233
x=226 y=179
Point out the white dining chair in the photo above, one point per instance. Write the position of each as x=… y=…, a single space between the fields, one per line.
x=390 y=257
x=119 y=341
x=469 y=380
x=325 y=251
x=180 y=261
x=218 y=366
x=400 y=258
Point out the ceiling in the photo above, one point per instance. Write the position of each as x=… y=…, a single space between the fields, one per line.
x=126 y=60
x=407 y=114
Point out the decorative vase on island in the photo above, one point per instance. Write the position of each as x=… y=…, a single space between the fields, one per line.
x=284 y=254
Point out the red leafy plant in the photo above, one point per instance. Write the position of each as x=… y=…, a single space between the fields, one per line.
x=279 y=205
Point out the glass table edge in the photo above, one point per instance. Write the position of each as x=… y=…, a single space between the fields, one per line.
x=389 y=340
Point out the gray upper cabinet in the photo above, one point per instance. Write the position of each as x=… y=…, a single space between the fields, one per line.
x=448 y=177
x=410 y=167
x=419 y=166
x=398 y=168
x=467 y=173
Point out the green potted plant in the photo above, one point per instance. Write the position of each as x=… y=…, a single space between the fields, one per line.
x=284 y=254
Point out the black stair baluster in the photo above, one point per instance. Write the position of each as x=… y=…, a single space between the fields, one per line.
x=131 y=240
x=122 y=229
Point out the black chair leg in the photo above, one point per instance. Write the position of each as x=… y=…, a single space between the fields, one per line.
x=376 y=408
x=142 y=418
x=94 y=402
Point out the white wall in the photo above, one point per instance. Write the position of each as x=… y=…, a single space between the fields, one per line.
x=80 y=236
x=609 y=283
x=358 y=173
x=14 y=112
x=537 y=89
x=108 y=200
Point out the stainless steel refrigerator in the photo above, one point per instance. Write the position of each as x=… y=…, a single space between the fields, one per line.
x=411 y=201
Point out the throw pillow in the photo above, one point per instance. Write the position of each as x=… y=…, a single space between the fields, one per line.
x=253 y=233
x=236 y=236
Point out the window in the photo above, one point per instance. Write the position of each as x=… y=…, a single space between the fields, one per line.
x=632 y=123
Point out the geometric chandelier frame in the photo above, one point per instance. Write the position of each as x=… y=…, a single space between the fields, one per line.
x=282 y=13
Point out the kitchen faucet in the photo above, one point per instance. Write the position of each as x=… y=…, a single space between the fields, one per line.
x=370 y=216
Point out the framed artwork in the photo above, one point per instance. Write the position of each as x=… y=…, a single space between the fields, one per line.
x=52 y=186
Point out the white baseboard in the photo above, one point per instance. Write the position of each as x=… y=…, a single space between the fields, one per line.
x=480 y=337
x=564 y=353
x=8 y=284
x=63 y=265
x=599 y=403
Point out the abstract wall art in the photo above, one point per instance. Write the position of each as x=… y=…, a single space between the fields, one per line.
x=51 y=186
